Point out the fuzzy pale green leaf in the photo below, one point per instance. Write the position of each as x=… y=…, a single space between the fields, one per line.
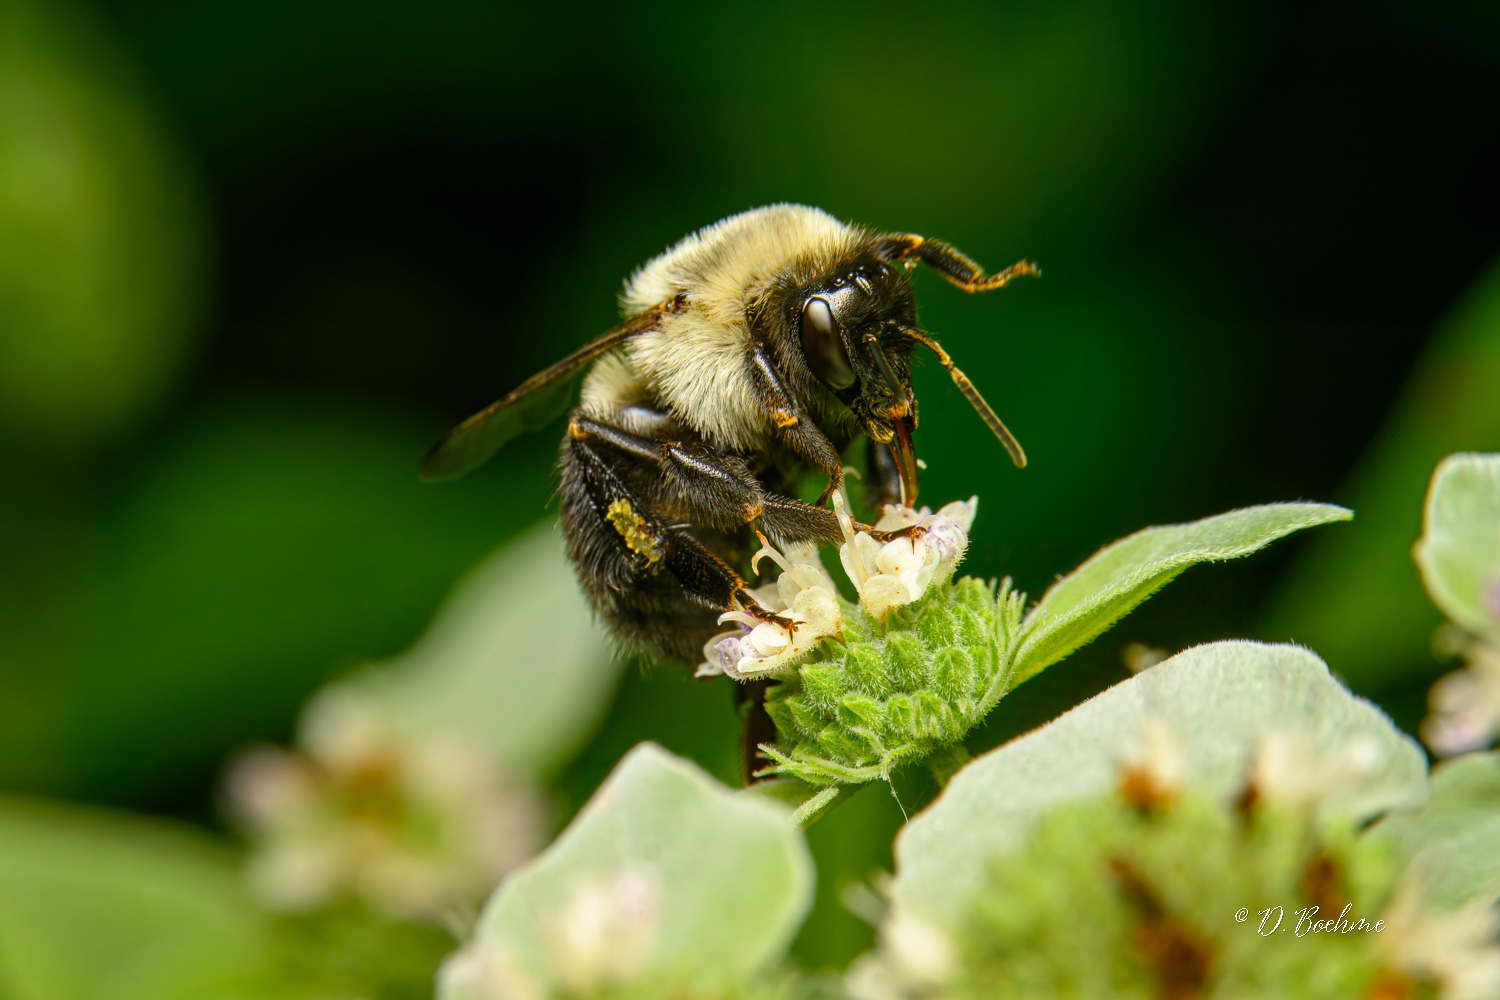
x=1218 y=701
x=1454 y=843
x=514 y=661
x=103 y=906
x=105 y=251
x=1086 y=602
x=1459 y=553
x=730 y=880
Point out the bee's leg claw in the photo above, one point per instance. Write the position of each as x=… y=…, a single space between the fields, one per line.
x=912 y=531
x=760 y=612
x=828 y=491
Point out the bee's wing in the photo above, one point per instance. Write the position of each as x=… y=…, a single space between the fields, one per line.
x=532 y=404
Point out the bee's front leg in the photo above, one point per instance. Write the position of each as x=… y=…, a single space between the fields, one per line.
x=912 y=531
x=779 y=405
x=956 y=268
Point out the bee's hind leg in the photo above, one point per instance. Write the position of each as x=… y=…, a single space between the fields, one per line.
x=620 y=544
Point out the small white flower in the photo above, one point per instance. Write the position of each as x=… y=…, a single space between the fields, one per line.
x=606 y=934
x=1137 y=656
x=1291 y=768
x=804 y=593
x=601 y=936
x=900 y=571
x=418 y=830
x=886 y=575
x=915 y=960
x=922 y=951
x=1158 y=769
x=488 y=972
x=1464 y=706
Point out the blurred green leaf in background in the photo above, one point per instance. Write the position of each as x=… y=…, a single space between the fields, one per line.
x=1359 y=599
x=106 y=255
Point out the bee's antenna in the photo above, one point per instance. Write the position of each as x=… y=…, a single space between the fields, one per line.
x=966 y=387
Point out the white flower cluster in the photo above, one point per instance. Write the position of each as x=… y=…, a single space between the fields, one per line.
x=915 y=961
x=1291 y=768
x=804 y=593
x=1465 y=705
x=603 y=937
x=1455 y=949
x=900 y=571
x=885 y=574
x=419 y=830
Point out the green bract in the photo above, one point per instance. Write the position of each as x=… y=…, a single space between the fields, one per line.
x=897 y=691
x=1459 y=556
x=87 y=897
x=1084 y=604
x=513 y=664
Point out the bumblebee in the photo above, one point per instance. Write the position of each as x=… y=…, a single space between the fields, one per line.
x=753 y=350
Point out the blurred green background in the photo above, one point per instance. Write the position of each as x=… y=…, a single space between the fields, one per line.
x=256 y=256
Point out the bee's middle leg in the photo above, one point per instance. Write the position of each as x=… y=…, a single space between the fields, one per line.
x=717 y=490
x=714 y=489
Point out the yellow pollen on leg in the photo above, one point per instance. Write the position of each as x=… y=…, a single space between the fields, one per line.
x=633 y=528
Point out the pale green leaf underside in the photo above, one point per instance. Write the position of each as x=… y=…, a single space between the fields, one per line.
x=1085 y=603
x=110 y=907
x=1218 y=701
x=1459 y=553
x=734 y=875
x=1454 y=843
x=514 y=661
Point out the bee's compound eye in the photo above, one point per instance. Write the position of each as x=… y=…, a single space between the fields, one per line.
x=823 y=347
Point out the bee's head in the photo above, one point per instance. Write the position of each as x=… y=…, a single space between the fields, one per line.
x=854 y=324
x=852 y=329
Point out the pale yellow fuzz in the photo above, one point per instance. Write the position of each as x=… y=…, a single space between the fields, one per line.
x=694 y=363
